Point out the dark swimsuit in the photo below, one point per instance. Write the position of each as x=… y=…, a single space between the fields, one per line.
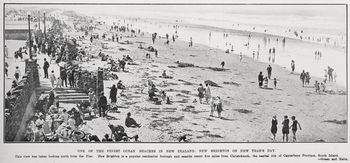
x=285 y=129
x=274 y=126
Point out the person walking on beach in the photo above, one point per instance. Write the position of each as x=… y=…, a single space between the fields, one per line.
x=294 y=127
x=222 y=65
x=330 y=73
x=212 y=106
x=274 y=127
x=190 y=43
x=113 y=94
x=102 y=105
x=207 y=93
x=269 y=70
x=303 y=77
x=292 y=66
x=52 y=79
x=200 y=92
x=285 y=128
x=218 y=104
x=260 y=79
x=17 y=73
x=46 y=67
x=307 y=78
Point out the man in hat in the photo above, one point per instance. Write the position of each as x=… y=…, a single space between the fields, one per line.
x=102 y=105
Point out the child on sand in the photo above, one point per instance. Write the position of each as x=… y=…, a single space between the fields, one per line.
x=285 y=128
x=274 y=127
x=294 y=127
x=59 y=82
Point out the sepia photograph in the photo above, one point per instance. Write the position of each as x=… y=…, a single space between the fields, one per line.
x=170 y=73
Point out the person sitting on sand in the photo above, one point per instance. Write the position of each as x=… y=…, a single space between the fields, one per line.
x=152 y=92
x=266 y=82
x=218 y=104
x=285 y=128
x=294 y=127
x=274 y=127
x=323 y=86
x=130 y=122
x=163 y=96
x=260 y=79
x=200 y=92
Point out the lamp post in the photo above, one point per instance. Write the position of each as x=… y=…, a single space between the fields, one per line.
x=30 y=38
x=45 y=26
x=39 y=20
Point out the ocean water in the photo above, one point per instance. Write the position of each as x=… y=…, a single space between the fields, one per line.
x=261 y=22
x=301 y=51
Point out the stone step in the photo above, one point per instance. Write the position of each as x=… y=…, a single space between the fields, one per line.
x=72 y=101
x=73 y=97
x=72 y=94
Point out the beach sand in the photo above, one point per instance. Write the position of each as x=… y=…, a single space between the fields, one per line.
x=247 y=108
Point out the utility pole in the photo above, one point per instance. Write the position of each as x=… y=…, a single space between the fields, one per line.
x=30 y=39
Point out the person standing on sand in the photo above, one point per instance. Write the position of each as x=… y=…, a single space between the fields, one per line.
x=218 y=104
x=113 y=94
x=200 y=92
x=303 y=77
x=285 y=128
x=102 y=105
x=240 y=57
x=17 y=73
x=207 y=93
x=190 y=43
x=294 y=127
x=212 y=106
x=253 y=54
x=46 y=67
x=330 y=74
x=260 y=79
x=222 y=65
x=275 y=82
x=52 y=79
x=317 y=87
x=274 y=127
x=293 y=66
x=269 y=70
x=307 y=78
